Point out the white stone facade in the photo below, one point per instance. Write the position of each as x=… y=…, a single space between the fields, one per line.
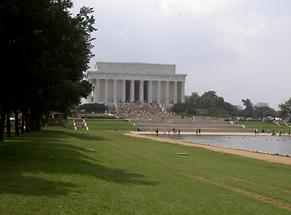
x=129 y=82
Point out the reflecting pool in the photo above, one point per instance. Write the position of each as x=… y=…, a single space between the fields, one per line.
x=266 y=144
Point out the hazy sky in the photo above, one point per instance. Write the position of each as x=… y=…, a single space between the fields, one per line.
x=238 y=48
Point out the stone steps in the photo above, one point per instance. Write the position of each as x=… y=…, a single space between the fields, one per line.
x=80 y=124
x=206 y=124
x=184 y=129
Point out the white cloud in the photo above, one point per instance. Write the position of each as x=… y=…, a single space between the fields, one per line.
x=239 y=48
x=123 y=36
x=241 y=32
x=195 y=7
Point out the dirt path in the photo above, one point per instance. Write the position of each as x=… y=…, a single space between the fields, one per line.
x=240 y=152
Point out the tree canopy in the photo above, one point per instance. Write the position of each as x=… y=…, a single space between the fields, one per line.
x=213 y=105
x=206 y=104
x=46 y=51
x=249 y=110
x=285 y=109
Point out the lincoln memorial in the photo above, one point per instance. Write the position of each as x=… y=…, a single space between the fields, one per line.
x=130 y=82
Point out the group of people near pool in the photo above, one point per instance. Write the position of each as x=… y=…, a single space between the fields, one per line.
x=173 y=131
x=274 y=132
x=198 y=131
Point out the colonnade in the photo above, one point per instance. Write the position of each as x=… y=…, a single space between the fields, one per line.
x=113 y=91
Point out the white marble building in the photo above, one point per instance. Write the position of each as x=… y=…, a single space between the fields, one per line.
x=129 y=82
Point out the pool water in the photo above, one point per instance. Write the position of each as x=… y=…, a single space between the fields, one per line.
x=266 y=144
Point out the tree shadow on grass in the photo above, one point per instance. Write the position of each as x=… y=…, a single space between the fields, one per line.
x=34 y=186
x=75 y=134
x=22 y=163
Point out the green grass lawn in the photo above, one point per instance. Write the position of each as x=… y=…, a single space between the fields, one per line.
x=113 y=125
x=60 y=171
x=265 y=125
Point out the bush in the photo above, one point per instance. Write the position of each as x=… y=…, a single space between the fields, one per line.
x=179 y=108
x=93 y=107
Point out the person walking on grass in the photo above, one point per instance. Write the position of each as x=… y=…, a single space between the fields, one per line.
x=157 y=131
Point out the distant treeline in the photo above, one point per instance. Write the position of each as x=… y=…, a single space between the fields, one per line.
x=209 y=104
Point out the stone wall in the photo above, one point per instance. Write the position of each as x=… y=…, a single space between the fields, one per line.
x=135 y=68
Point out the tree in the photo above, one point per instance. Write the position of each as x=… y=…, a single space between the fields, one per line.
x=93 y=107
x=210 y=99
x=191 y=103
x=231 y=109
x=249 y=108
x=264 y=112
x=285 y=109
x=209 y=103
x=179 y=108
x=52 y=49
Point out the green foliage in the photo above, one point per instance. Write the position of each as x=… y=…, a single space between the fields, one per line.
x=47 y=51
x=256 y=112
x=179 y=107
x=65 y=123
x=249 y=110
x=265 y=111
x=207 y=104
x=93 y=107
x=191 y=102
x=210 y=99
x=285 y=109
x=212 y=105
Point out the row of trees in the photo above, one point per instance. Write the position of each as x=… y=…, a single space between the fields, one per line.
x=206 y=104
x=45 y=52
x=259 y=112
x=213 y=105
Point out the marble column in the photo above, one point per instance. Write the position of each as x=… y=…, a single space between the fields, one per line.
x=159 y=92
x=150 y=89
x=167 y=92
x=106 y=91
x=123 y=90
x=131 y=90
x=96 y=91
x=175 y=92
x=182 y=92
x=91 y=96
x=115 y=92
x=141 y=91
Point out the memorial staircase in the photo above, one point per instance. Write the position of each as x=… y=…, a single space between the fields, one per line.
x=187 y=124
x=149 y=117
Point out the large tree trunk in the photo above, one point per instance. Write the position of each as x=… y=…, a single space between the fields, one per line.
x=22 y=122
x=16 y=123
x=45 y=121
x=2 y=123
x=8 y=124
x=27 y=121
x=35 y=119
